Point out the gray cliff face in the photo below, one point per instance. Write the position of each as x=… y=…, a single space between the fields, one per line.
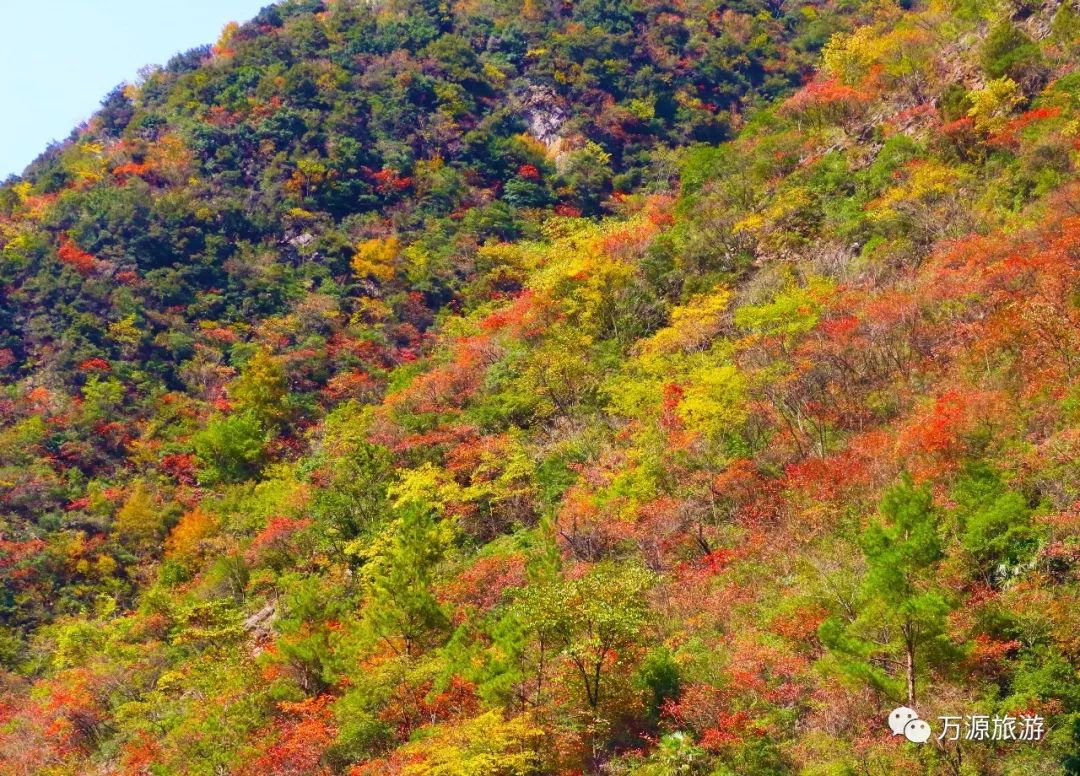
x=542 y=109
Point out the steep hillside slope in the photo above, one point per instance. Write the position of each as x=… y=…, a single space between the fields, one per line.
x=606 y=387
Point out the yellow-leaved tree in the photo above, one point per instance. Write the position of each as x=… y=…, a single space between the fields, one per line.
x=376 y=258
x=139 y=522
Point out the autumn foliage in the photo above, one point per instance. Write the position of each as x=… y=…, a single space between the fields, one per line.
x=581 y=388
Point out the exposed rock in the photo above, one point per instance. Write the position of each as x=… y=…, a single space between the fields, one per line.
x=260 y=624
x=543 y=110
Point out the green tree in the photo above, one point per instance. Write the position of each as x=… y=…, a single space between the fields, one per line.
x=1071 y=763
x=307 y=642
x=230 y=448
x=401 y=608
x=899 y=621
x=587 y=620
x=354 y=501
x=1008 y=51
x=102 y=397
x=587 y=173
x=995 y=523
x=262 y=390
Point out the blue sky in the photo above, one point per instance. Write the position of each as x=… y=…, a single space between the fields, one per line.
x=58 y=58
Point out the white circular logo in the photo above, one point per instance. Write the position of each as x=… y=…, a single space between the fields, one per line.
x=905 y=722
x=899 y=717
x=917 y=731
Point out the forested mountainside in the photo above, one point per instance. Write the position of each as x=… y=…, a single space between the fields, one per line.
x=503 y=388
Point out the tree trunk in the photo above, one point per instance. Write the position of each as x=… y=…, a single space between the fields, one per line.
x=910 y=672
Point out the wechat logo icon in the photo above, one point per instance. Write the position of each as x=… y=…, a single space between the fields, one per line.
x=905 y=722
